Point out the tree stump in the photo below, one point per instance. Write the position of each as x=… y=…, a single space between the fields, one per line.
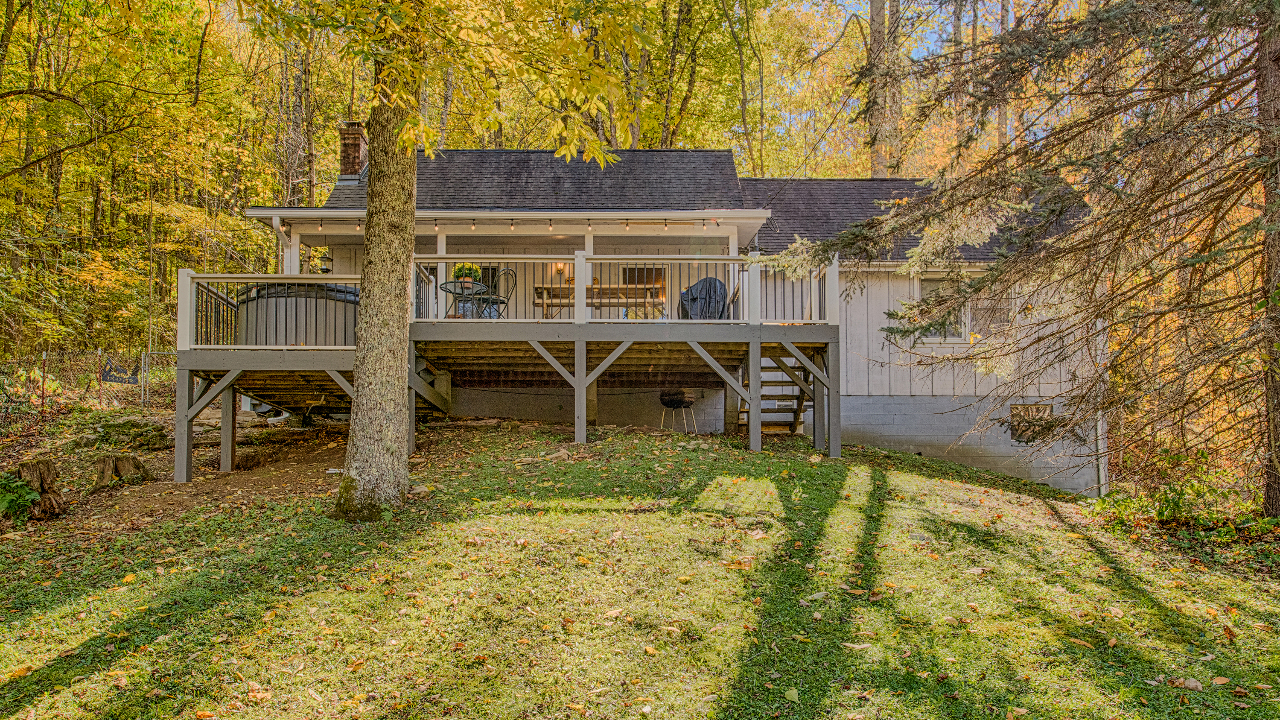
x=42 y=476
x=112 y=468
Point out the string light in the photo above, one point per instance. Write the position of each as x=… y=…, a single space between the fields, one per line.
x=628 y=225
x=320 y=227
x=588 y=226
x=357 y=226
x=437 y=222
x=549 y=226
x=473 y=224
x=664 y=225
x=513 y=224
x=704 y=226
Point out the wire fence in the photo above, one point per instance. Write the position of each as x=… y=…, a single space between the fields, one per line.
x=35 y=388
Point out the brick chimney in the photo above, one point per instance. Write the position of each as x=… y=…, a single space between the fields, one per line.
x=355 y=148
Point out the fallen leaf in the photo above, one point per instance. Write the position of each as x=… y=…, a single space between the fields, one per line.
x=356 y=665
x=862 y=646
x=792 y=694
x=1220 y=680
x=1192 y=684
x=648 y=650
x=1112 y=642
x=128 y=578
x=1080 y=642
x=22 y=671
x=973 y=607
x=205 y=715
x=1020 y=711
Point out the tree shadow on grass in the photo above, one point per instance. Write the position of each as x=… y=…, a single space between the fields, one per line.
x=811 y=660
x=201 y=614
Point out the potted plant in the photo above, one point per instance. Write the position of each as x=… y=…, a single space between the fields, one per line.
x=466 y=273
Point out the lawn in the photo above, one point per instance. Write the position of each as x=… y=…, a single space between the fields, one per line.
x=646 y=574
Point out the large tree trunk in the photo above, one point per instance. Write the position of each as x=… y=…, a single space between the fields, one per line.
x=1267 y=85
x=377 y=471
x=877 y=91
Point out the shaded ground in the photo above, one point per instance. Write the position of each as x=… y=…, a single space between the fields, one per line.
x=639 y=576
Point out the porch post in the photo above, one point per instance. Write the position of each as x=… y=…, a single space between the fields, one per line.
x=227 y=460
x=753 y=374
x=833 y=402
x=182 y=428
x=291 y=262
x=442 y=299
x=580 y=388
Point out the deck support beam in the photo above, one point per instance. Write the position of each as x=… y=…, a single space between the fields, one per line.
x=580 y=391
x=190 y=402
x=731 y=408
x=582 y=382
x=753 y=412
x=182 y=427
x=227 y=456
x=833 y=400
x=819 y=414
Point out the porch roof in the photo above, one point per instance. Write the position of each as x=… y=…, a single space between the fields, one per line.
x=538 y=180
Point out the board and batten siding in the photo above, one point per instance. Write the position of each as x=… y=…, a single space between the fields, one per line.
x=889 y=403
x=873 y=366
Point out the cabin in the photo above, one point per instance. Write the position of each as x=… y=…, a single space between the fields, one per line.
x=563 y=292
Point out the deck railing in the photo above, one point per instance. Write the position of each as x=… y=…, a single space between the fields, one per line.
x=319 y=311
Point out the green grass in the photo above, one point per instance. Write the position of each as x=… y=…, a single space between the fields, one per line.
x=641 y=577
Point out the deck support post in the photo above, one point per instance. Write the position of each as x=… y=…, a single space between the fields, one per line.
x=833 y=400
x=182 y=427
x=753 y=374
x=227 y=459
x=731 y=408
x=819 y=425
x=412 y=439
x=580 y=391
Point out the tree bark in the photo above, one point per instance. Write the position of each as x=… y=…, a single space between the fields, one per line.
x=1267 y=87
x=42 y=476
x=377 y=470
x=876 y=92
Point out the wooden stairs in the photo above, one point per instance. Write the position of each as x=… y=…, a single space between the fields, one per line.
x=782 y=402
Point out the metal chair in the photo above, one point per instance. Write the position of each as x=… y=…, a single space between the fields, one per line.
x=496 y=302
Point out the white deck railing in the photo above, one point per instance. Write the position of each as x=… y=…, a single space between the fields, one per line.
x=319 y=311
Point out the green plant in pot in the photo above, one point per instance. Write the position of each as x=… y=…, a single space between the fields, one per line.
x=466 y=273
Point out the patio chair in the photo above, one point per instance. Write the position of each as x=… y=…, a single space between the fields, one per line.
x=502 y=286
x=704 y=300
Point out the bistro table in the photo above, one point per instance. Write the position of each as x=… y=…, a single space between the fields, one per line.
x=468 y=298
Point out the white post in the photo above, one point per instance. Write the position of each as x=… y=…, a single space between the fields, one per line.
x=442 y=302
x=833 y=292
x=292 y=250
x=733 y=241
x=580 y=282
x=589 y=242
x=754 y=296
x=186 y=308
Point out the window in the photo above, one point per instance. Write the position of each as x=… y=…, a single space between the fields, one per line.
x=984 y=314
x=1029 y=423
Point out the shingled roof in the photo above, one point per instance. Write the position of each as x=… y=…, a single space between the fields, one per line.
x=538 y=180
x=818 y=210
x=813 y=209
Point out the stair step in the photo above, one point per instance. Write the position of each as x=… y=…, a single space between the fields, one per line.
x=780 y=396
x=772 y=383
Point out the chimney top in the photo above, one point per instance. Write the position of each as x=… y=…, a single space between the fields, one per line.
x=354 y=150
